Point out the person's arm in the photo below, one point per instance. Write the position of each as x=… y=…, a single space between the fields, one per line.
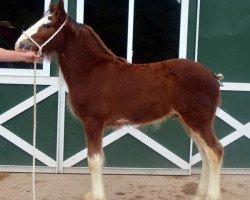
x=17 y=56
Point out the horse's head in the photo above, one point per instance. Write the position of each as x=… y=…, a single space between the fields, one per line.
x=42 y=30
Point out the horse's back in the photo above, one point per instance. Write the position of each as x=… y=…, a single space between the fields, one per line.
x=184 y=78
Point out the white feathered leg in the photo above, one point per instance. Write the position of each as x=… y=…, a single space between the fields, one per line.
x=97 y=190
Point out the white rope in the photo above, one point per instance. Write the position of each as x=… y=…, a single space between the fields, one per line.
x=39 y=53
x=34 y=136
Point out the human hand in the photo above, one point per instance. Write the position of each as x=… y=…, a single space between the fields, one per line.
x=29 y=56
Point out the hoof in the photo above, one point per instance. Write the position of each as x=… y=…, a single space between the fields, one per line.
x=88 y=196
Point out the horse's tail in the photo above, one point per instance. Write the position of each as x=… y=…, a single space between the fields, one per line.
x=219 y=77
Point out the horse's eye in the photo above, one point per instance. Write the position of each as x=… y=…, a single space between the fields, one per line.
x=46 y=25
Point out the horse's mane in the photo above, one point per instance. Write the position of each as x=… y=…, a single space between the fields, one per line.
x=86 y=30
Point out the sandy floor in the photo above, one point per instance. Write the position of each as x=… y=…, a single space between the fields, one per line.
x=17 y=186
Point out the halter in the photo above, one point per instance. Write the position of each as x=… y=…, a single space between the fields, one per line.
x=40 y=47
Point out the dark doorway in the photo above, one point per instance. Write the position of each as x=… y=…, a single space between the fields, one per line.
x=156 y=30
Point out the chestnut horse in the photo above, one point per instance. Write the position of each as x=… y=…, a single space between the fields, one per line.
x=106 y=91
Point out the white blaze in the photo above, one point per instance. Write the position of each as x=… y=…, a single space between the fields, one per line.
x=32 y=30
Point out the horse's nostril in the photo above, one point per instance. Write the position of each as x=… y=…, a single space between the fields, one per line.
x=25 y=45
x=29 y=48
x=21 y=45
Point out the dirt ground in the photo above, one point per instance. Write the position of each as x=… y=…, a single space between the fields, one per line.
x=17 y=186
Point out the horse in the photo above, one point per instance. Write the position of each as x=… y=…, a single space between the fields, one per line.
x=106 y=91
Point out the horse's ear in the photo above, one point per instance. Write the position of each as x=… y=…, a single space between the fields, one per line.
x=60 y=5
x=60 y=8
x=59 y=11
x=52 y=7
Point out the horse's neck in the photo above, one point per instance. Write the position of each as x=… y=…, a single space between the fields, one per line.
x=80 y=56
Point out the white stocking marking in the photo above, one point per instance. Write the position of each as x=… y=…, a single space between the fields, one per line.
x=202 y=187
x=95 y=166
x=213 y=191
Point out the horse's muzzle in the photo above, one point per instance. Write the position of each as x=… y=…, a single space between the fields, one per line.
x=24 y=45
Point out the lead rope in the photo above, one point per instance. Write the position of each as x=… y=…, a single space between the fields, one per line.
x=34 y=138
x=39 y=53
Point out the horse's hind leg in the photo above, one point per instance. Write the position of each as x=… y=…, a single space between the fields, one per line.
x=214 y=153
x=211 y=153
x=93 y=133
x=203 y=184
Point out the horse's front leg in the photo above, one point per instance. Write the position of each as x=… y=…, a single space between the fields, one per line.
x=94 y=131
